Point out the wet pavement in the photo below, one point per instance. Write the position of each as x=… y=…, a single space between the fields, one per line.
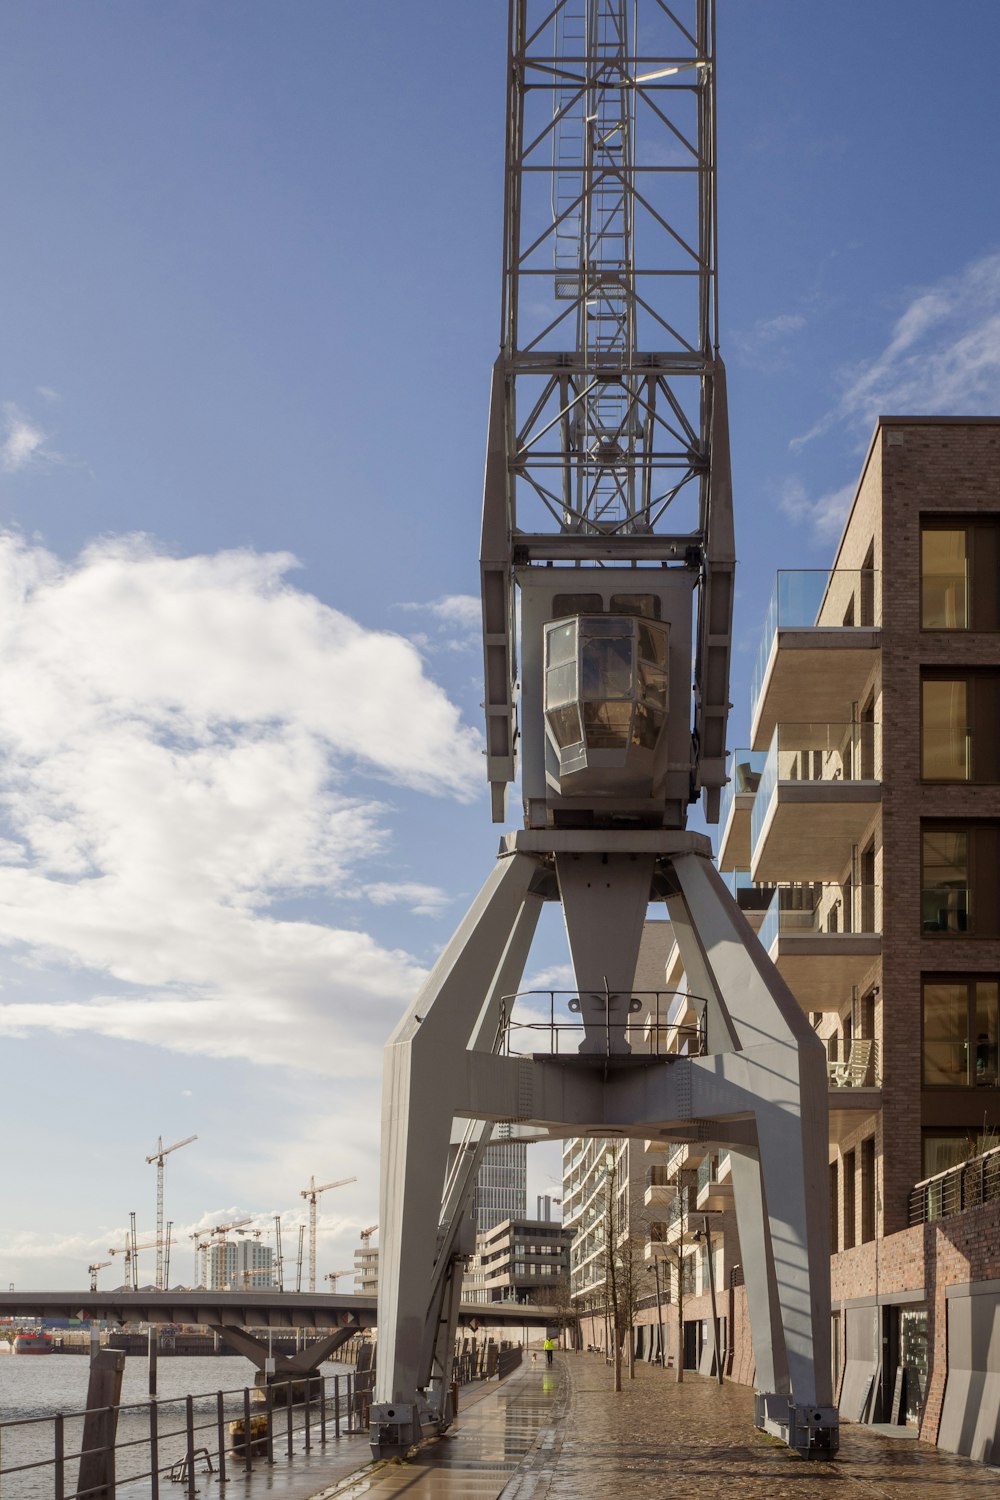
x=564 y=1435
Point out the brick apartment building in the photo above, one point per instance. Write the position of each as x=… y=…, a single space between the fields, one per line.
x=861 y=835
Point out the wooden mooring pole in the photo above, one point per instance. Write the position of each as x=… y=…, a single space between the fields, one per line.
x=100 y=1425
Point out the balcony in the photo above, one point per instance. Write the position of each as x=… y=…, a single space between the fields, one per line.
x=823 y=937
x=752 y=899
x=818 y=648
x=715 y=1187
x=661 y=1188
x=745 y=768
x=817 y=794
x=855 y=1084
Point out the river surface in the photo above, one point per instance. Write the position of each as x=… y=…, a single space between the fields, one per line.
x=41 y=1385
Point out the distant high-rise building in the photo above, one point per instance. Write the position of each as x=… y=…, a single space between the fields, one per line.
x=239 y=1265
x=502 y=1184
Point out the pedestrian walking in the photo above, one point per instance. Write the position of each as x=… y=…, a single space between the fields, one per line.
x=548 y=1346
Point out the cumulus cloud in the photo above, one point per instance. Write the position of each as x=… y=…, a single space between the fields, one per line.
x=943 y=356
x=176 y=738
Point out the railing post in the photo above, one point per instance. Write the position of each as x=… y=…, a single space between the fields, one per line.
x=336 y=1407
x=154 y=1452
x=322 y=1411
x=220 y=1422
x=247 y=1454
x=269 y=1409
x=189 y=1428
x=289 y=1399
x=58 y=1437
x=308 y=1394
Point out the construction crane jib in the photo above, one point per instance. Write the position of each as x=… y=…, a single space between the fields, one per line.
x=607 y=568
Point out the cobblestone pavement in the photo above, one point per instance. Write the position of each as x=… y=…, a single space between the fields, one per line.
x=658 y=1440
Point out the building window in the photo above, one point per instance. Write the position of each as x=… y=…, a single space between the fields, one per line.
x=959 y=880
x=850 y=1166
x=960 y=1031
x=960 y=726
x=868 y=1190
x=958 y=573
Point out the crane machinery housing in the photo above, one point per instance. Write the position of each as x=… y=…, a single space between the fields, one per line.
x=607 y=568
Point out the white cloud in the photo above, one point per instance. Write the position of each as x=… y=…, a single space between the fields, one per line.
x=942 y=357
x=458 y=618
x=175 y=739
x=423 y=900
x=22 y=440
x=826 y=514
x=764 y=346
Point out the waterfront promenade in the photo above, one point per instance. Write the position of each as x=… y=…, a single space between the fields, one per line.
x=564 y=1435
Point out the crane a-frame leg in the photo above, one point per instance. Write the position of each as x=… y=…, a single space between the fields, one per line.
x=761 y=1090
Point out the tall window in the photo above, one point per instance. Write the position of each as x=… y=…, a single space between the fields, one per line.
x=959 y=565
x=960 y=880
x=850 y=1181
x=868 y=1193
x=960 y=1031
x=960 y=725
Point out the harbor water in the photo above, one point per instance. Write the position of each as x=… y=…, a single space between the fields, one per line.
x=40 y=1386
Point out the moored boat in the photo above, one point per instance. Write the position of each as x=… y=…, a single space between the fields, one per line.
x=31 y=1343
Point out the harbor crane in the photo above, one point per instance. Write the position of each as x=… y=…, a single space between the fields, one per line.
x=159 y=1156
x=311 y=1193
x=607 y=569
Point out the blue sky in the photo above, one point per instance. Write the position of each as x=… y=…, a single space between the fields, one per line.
x=249 y=292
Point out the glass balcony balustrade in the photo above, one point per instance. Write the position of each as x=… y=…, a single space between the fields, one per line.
x=745 y=767
x=821 y=908
x=834 y=753
x=815 y=599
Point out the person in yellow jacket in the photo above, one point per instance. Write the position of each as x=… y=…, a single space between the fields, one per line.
x=548 y=1346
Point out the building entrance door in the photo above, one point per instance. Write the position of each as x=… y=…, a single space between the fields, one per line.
x=914 y=1360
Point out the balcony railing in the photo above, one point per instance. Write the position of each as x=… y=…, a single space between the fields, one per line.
x=657 y=1177
x=816 y=600
x=745 y=767
x=968 y=1185
x=547 y=1021
x=708 y=1171
x=813 y=753
x=822 y=907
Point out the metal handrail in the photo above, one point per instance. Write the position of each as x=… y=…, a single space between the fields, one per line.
x=968 y=1185
x=659 y=1036
x=312 y=1412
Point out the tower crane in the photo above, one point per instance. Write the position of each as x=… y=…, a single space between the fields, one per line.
x=159 y=1156
x=311 y=1193
x=130 y=1250
x=98 y=1265
x=366 y=1234
x=334 y=1276
x=279 y=1263
x=607 y=517
x=298 y=1267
